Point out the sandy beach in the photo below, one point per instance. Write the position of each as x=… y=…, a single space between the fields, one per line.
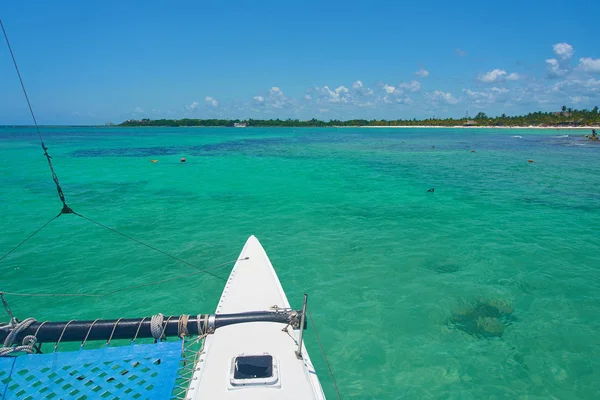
x=577 y=128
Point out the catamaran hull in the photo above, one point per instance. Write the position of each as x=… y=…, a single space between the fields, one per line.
x=254 y=360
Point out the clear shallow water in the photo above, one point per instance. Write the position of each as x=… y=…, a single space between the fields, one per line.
x=344 y=215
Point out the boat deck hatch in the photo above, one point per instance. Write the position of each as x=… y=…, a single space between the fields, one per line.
x=254 y=370
x=252 y=367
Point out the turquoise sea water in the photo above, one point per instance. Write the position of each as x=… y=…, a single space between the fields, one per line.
x=346 y=217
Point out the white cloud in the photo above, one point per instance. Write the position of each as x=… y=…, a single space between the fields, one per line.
x=412 y=86
x=275 y=99
x=478 y=97
x=493 y=76
x=496 y=92
x=211 y=101
x=589 y=64
x=193 y=106
x=389 y=89
x=498 y=75
x=577 y=86
x=275 y=91
x=487 y=96
x=339 y=95
x=356 y=95
x=579 y=99
x=461 y=52
x=366 y=104
x=362 y=92
x=442 y=97
x=139 y=110
x=423 y=73
x=554 y=68
x=563 y=50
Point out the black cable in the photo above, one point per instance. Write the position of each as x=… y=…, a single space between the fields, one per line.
x=149 y=246
x=29 y=237
x=66 y=209
x=324 y=355
x=123 y=289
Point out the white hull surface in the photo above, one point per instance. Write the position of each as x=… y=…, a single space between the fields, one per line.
x=233 y=354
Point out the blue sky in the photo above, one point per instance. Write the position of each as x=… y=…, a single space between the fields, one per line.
x=89 y=62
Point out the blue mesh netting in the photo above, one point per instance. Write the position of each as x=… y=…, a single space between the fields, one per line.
x=140 y=372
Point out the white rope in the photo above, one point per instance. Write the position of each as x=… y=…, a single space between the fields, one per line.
x=156 y=326
x=182 y=330
x=162 y=333
x=113 y=331
x=61 y=334
x=27 y=346
x=10 y=338
x=202 y=325
x=138 y=329
x=88 y=332
x=27 y=343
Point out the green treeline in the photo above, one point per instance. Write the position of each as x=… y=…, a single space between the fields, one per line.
x=566 y=117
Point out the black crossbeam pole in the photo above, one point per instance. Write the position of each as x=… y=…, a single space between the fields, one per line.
x=77 y=331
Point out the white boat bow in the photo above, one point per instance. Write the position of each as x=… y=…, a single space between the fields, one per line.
x=255 y=360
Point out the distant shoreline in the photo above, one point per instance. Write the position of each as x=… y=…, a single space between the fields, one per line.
x=480 y=127
x=566 y=119
x=570 y=128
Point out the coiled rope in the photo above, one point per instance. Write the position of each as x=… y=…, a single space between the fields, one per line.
x=182 y=330
x=27 y=343
x=202 y=328
x=156 y=326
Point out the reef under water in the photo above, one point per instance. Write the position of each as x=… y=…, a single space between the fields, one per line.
x=441 y=266
x=483 y=319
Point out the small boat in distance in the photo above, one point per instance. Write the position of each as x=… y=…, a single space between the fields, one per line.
x=250 y=348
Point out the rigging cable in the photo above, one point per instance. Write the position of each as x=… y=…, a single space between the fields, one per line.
x=148 y=246
x=323 y=353
x=7 y=308
x=66 y=209
x=205 y=270
x=123 y=289
x=29 y=237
